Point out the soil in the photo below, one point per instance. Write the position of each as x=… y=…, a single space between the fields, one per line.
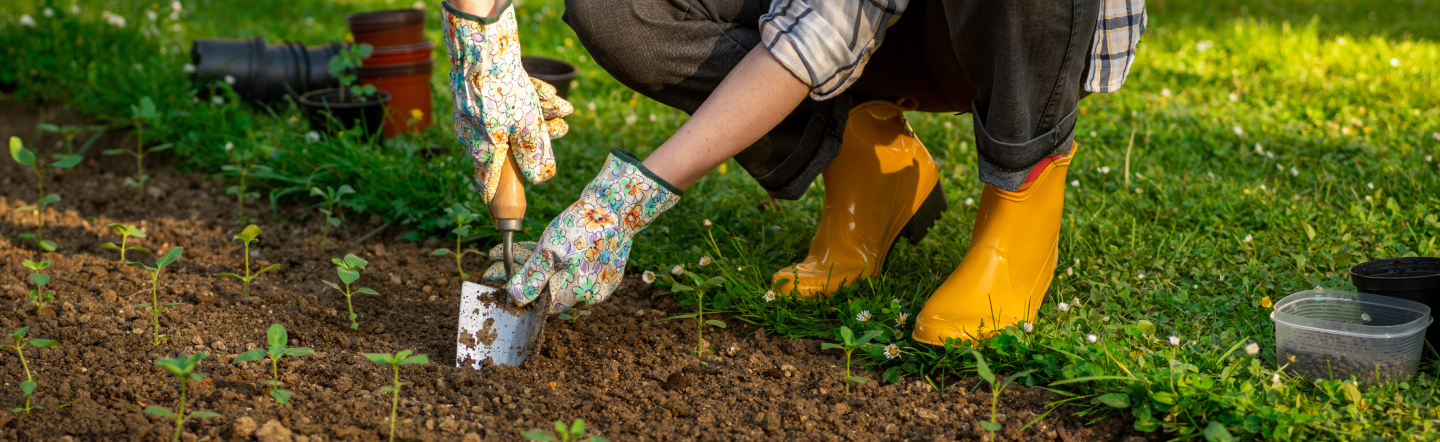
x=629 y=375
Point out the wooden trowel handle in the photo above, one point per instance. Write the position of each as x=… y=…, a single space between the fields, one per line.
x=509 y=202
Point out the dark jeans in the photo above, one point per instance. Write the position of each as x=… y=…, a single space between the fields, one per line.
x=1016 y=65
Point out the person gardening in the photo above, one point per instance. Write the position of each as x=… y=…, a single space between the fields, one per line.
x=795 y=89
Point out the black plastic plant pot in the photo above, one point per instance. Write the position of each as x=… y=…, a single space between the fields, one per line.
x=263 y=74
x=558 y=73
x=1416 y=279
x=327 y=112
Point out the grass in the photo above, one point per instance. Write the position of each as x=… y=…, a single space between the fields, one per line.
x=1341 y=175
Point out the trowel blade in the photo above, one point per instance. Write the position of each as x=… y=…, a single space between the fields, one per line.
x=494 y=332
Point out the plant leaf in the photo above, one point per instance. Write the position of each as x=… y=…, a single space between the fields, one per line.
x=847 y=336
x=355 y=261
x=299 y=351
x=829 y=346
x=1115 y=400
x=159 y=411
x=138 y=248
x=366 y=290
x=226 y=275
x=1216 y=432
x=170 y=257
x=50 y=199
x=865 y=338
x=251 y=355
x=577 y=428
x=44 y=343
x=268 y=268
x=983 y=369
x=47 y=245
x=28 y=387
x=249 y=234
x=277 y=336
x=388 y=389
x=417 y=359
x=439 y=252
x=333 y=285
x=380 y=358
x=347 y=276
x=68 y=161
x=281 y=396
x=991 y=426
x=537 y=435
x=109 y=246
x=40 y=278
x=716 y=323
x=19 y=153
x=205 y=414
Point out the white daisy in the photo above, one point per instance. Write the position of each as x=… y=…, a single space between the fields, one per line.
x=704 y=260
x=1174 y=341
x=677 y=270
x=770 y=296
x=27 y=20
x=1064 y=307
x=864 y=316
x=1252 y=349
x=901 y=317
x=1091 y=338
x=648 y=277
x=1027 y=326
x=892 y=351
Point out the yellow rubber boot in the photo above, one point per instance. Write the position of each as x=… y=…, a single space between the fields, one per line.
x=882 y=186
x=1011 y=260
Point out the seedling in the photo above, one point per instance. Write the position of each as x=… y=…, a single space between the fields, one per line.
x=395 y=361
x=701 y=286
x=26 y=157
x=183 y=368
x=28 y=385
x=332 y=198
x=141 y=115
x=126 y=231
x=349 y=271
x=463 y=217
x=246 y=237
x=39 y=296
x=69 y=133
x=277 y=338
x=342 y=66
x=849 y=344
x=242 y=161
x=155 y=307
x=992 y=426
x=563 y=433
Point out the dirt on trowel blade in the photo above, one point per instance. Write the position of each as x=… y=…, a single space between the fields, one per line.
x=493 y=330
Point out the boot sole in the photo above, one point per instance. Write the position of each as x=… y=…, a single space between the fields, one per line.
x=920 y=223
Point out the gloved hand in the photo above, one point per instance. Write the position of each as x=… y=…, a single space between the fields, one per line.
x=582 y=253
x=499 y=109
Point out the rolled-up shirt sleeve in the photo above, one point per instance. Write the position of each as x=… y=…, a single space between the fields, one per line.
x=825 y=43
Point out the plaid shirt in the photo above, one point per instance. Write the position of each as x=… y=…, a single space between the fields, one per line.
x=826 y=43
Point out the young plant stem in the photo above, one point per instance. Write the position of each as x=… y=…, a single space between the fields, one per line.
x=458 y=254
x=700 y=323
x=247 y=264
x=28 y=376
x=395 y=402
x=39 y=205
x=848 y=352
x=180 y=417
x=351 y=307
x=155 y=310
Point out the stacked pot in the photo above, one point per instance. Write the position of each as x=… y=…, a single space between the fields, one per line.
x=400 y=64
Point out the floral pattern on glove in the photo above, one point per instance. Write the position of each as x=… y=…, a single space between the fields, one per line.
x=520 y=252
x=583 y=252
x=498 y=111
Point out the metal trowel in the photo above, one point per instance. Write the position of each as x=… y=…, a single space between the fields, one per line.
x=493 y=330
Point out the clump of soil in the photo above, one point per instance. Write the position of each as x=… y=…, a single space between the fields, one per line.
x=630 y=376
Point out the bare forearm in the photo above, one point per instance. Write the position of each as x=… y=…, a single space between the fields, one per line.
x=479 y=8
x=751 y=100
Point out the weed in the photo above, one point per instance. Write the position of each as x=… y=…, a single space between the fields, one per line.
x=995 y=388
x=276 y=337
x=573 y=315
x=155 y=307
x=332 y=198
x=242 y=162
x=849 y=344
x=343 y=66
x=563 y=433
x=39 y=296
x=395 y=361
x=28 y=385
x=183 y=368
x=126 y=231
x=141 y=115
x=701 y=286
x=26 y=157
x=463 y=217
x=246 y=237
x=349 y=271
x=68 y=133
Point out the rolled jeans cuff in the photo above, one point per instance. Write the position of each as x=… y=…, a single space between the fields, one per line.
x=1005 y=165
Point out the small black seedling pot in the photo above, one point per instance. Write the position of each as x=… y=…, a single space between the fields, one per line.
x=1415 y=278
x=558 y=73
x=327 y=113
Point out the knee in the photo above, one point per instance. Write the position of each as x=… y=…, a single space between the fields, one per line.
x=615 y=35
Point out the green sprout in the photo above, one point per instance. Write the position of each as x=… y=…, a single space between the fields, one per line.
x=25 y=157
x=242 y=162
x=141 y=115
x=563 y=433
x=183 y=368
x=155 y=307
x=28 y=385
x=39 y=296
x=276 y=337
x=246 y=237
x=463 y=217
x=349 y=271
x=395 y=361
x=332 y=197
x=701 y=286
x=849 y=344
x=992 y=426
x=126 y=231
x=68 y=133
x=342 y=66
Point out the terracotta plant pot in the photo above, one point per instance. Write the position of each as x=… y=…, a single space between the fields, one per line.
x=558 y=73
x=325 y=112
x=397 y=55
x=409 y=89
x=388 y=27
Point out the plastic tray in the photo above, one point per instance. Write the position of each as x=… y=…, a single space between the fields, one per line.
x=1335 y=334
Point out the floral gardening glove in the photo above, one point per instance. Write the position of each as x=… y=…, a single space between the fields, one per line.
x=520 y=252
x=498 y=109
x=583 y=252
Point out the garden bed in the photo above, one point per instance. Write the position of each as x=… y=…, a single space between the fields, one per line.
x=629 y=375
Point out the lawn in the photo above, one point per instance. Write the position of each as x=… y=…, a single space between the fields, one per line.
x=1257 y=149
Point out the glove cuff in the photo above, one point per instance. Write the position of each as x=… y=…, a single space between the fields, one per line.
x=628 y=157
x=472 y=17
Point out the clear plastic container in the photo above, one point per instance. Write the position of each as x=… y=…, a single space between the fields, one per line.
x=1334 y=334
